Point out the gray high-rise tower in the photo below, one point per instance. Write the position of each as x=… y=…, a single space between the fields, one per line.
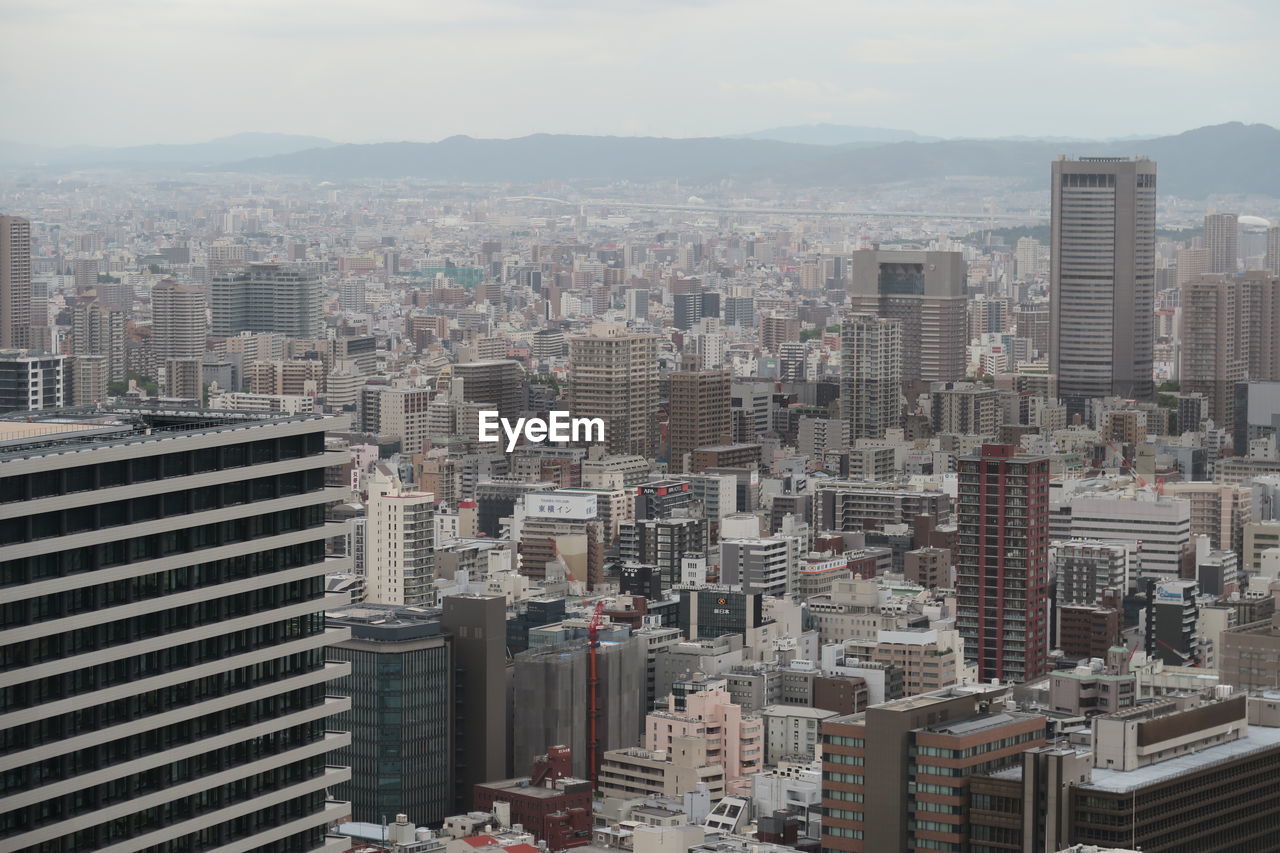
x=15 y=282
x=871 y=375
x=1102 y=278
x=1221 y=238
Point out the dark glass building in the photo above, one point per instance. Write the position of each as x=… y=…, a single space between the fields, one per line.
x=401 y=689
x=162 y=638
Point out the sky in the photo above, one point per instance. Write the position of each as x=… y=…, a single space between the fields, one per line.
x=124 y=72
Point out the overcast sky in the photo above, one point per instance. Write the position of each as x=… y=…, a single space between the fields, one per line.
x=119 y=72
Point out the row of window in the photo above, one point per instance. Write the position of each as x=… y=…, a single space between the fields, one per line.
x=158 y=466
x=66 y=685
x=135 y=549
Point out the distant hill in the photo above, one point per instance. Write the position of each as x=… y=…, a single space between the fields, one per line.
x=1226 y=158
x=238 y=147
x=835 y=134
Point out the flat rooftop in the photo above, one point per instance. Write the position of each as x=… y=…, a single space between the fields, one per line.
x=1123 y=781
x=55 y=431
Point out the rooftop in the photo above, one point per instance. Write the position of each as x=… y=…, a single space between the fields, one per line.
x=1123 y=781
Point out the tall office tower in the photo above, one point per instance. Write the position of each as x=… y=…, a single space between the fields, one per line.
x=1230 y=332
x=179 y=323
x=268 y=298
x=493 y=384
x=1192 y=263
x=96 y=330
x=871 y=375
x=1271 y=261
x=15 y=282
x=481 y=752
x=164 y=584
x=30 y=382
x=1221 y=236
x=1002 y=563
x=400 y=542
x=894 y=777
x=613 y=375
x=1032 y=323
x=1102 y=278
x=698 y=405
x=401 y=717
x=926 y=292
x=1026 y=257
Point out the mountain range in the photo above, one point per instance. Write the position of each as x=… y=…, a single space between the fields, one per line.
x=1232 y=158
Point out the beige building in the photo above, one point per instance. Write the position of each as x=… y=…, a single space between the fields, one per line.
x=15 y=282
x=613 y=375
x=179 y=320
x=399 y=542
x=871 y=375
x=1219 y=511
x=698 y=413
x=635 y=772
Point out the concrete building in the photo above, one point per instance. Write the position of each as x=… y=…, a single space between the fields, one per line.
x=871 y=375
x=400 y=542
x=964 y=408
x=1162 y=525
x=1249 y=656
x=268 y=298
x=1221 y=239
x=925 y=292
x=85 y=380
x=481 y=725
x=734 y=741
x=698 y=413
x=15 y=283
x=179 y=320
x=1084 y=569
x=551 y=804
x=226 y=516
x=892 y=774
x=1002 y=563
x=930 y=659
x=30 y=382
x=97 y=330
x=1102 y=278
x=614 y=376
x=1170 y=622
x=791 y=731
x=843 y=505
x=493 y=384
x=764 y=565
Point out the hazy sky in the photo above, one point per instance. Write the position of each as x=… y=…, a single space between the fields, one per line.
x=116 y=72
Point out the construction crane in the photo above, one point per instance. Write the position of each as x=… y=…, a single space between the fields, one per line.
x=593 y=683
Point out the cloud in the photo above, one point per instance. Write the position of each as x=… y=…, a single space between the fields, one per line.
x=809 y=91
x=1192 y=57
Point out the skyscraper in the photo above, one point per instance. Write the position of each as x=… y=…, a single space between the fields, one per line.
x=1002 y=562
x=400 y=542
x=1102 y=278
x=98 y=330
x=1221 y=236
x=165 y=667
x=1271 y=261
x=871 y=375
x=925 y=291
x=1230 y=333
x=179 y=323
x=698 y=402
x=268 y=298
x=15 y=282
x=614 y=376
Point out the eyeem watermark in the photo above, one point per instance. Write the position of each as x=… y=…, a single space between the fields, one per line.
x=559 y=427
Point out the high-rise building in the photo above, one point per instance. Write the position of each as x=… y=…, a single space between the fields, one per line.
x=30 y=382
x=1271 y=260
x=1002 y=562
x=1192 y=263
x=698 y=413
x=15 y=282
x=1102 y=278
x=478 y=626
x=925 y=291
x=871 y=375
x=400 y=686
x=1221 y=237
x=1230 y=333
x=97 y=330
x=614 y=376
x=493 y=384
x=268 y=298
x=87 y=380
x=164 y=584
x=896 y=776
x=400 y=542
x=179 y=322
x=1026 y=257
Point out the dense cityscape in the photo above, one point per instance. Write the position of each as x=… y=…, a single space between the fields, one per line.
x=732 y=495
